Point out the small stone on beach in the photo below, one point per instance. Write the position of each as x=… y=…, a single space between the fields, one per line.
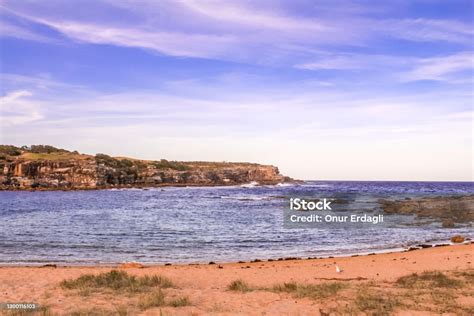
x=457 y=239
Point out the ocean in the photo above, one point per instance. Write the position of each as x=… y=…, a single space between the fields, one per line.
x=203 y=224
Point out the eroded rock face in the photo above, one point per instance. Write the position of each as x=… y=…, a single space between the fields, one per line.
x=48 y=174
x=459 y=209
x=90 y=173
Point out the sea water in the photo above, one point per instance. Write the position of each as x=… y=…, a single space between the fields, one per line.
x=202 y=224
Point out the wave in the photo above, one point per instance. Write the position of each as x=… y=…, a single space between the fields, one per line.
x=246 y=198
x=285 y=184
x=250 y=185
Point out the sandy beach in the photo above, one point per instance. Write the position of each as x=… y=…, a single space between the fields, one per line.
x=426 y=281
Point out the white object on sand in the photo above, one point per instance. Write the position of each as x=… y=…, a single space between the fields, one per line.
x=338 y=270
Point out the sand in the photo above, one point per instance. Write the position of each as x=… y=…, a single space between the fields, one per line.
x=369 y=286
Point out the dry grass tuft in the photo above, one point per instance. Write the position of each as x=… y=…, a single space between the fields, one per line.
x=41 y=311
x=117 y=281
x=154 y=299
x=428 y=280
x=180 y=301
x=375 y=303
x=285 y=287
x=313 y=291
x=239 y=286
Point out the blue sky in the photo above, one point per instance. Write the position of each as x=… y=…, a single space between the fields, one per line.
x=368 y=90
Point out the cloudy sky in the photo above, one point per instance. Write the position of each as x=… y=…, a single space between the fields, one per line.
x=367 y=90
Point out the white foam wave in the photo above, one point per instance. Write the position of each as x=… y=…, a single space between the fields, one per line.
x=250 y=185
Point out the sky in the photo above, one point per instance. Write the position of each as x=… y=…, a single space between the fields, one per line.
x=325 y=90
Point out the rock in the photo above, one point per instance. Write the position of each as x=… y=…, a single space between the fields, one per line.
x=49 y=265
x=457 y=239
x=425 y=246
x=448 y=223
x=449 y=209
x=131 y=265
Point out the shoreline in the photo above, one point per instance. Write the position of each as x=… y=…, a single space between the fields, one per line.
x=396 y=250
x=183 y=185
x=145 y=188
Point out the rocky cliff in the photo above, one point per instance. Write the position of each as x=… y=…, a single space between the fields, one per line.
x=46 y=167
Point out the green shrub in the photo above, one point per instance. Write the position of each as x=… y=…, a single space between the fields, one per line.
x=175 y=165
x=46 y=149
x=10 y=150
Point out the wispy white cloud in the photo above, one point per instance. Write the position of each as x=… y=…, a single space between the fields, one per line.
x=428 y=30
x=441 y=68
x=170 y=43
x=260 y=19
x=8 y=29
x=242 y=31
x=11 y=81
x=352 y=61
x=16 y=109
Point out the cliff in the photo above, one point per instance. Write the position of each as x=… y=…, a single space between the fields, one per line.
x=46 y=167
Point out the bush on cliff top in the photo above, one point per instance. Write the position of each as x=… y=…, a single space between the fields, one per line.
x=10 y=150
x=120 y=164
x=175 y=165
x=46 y=149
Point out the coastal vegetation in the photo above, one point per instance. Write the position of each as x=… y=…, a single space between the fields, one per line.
x=239 y=286
x=375 y=302
x=175 y=165
x=117 y=281
x=149 y=288
x=312 y=291
x=428 y=279
x=432 y=291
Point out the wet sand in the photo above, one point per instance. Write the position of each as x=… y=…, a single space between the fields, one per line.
x=365 y=280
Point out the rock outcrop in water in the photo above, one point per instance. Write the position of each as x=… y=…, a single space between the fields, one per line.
x=459 y=209
x=46 y=167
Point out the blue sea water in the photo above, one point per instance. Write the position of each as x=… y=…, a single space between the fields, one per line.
x=202 y=224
